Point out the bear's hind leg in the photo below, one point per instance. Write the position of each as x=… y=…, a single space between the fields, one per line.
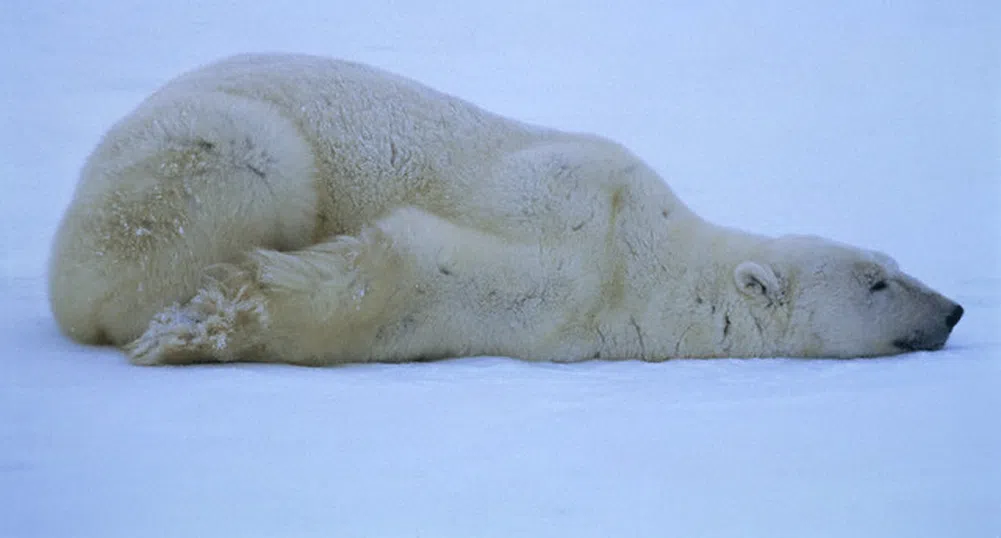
x=172 y=189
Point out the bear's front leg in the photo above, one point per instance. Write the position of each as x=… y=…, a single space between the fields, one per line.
x=316 y=306
x=412 y=286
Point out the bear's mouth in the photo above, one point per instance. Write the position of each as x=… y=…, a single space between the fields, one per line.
x=919 y=342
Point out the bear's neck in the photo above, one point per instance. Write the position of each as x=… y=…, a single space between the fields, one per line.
x=691 y=297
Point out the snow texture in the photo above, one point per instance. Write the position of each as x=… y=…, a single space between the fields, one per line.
x=875 y=123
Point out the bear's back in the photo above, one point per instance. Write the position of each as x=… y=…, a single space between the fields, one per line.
x=341 y=104
x=379 y=140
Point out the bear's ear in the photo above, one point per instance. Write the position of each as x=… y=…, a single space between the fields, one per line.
x=754 y=279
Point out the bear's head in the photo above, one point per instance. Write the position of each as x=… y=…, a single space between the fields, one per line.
x=818 y=298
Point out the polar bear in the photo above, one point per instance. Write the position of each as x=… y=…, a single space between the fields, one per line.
x=312 y=211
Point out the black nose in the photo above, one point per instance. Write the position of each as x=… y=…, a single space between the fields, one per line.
x=954 y=316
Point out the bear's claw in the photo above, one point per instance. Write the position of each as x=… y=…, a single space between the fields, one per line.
x=201 y=331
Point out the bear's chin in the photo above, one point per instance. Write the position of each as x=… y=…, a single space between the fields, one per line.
x=920 y=342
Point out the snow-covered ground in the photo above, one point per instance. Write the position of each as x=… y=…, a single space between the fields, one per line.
x=876 y=123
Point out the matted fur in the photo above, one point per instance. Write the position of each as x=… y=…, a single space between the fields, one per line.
x=314 y=211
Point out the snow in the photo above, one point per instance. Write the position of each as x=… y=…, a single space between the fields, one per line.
x=875 y=123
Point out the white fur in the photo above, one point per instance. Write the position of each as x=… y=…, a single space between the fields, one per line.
x=313 y=211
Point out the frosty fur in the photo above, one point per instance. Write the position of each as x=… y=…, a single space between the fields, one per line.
x=311 y=211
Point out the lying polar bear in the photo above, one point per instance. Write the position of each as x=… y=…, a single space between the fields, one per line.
x=313 y=211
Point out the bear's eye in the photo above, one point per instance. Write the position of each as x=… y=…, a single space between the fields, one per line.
x=881 y=285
